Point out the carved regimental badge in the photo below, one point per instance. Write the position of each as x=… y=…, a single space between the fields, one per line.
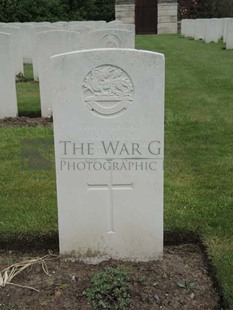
x=111 y=41
x=108 y=91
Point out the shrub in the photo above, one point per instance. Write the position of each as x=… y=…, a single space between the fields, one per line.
x=55 y=10
x=110 y=289
x=205 y=8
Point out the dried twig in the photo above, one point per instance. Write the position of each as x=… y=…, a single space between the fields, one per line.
x=7 y=274
x=23 y=286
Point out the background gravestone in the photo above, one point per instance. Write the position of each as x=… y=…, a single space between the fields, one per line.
x=190 y=28
x=8 y=101
x=128 y=27
x=16 y=47
x=229 y=43
x=50 y=43
x=200 y=29
x=109 y=132
x=225 y=28
x=38 y=28
x=25 y=33
x=114 y=38
x=79 y=27
x=212 y=30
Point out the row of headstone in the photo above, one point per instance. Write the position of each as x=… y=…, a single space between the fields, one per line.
x=108 y=111
x=40 y=41
x=209 y=30
x=26 y=32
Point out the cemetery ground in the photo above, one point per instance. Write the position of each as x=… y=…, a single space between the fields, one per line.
x=198 y=193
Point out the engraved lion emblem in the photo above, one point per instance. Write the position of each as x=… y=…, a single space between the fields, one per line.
x=107 y=90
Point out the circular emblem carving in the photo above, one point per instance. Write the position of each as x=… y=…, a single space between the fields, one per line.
x=108 y=91
x=111 y=41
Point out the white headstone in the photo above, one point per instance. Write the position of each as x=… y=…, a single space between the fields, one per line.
x=129 y=27
x=79 y=28
x=26 y=30
x=111 y=38
x=44 y=23
x=99 y=24
x=188 y=28
x=225 y=29
x=200 y=29
x=35 y=31
x=95 y=23
x=212 y=30
x=15 y=24
x=60 y=25
x=16 y=47
x=8 y=101
x=74 y=22
x=221 y=27
x=115 y=22
x=229 y=43
x=109 y=133
x=50 y=43
x=183 y=27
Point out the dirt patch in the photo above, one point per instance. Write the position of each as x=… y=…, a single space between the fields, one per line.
x=25 y=122
x=153 y=285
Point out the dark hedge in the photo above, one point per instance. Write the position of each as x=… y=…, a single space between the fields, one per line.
x=56 y=10
x=205 y=8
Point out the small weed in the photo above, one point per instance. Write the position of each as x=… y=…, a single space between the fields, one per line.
x=9 y=307
x=21 y=78
x=141 y=279
x=8 y=261
x=63 y=286
x=187 y=284
x=110 y=289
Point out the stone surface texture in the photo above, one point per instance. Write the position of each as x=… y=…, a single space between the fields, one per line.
x=212 y=30
x=114 y=209
x=16 y=46
x=111 y=38
x=8 y=101
x=50 y=43
x=229 y=40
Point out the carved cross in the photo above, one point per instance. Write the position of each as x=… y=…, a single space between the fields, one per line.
x=111 y=187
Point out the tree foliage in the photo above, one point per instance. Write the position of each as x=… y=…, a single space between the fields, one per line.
x=205 y=8
x=55 y=10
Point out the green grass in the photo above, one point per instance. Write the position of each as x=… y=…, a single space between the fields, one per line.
x=27 y=197
x=28 y=72
x=198 y=155
x=198 y=145
x=28 y=95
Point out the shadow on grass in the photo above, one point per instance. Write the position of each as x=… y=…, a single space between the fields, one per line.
x=26 y=243
x=31 y=114
x=29 y=243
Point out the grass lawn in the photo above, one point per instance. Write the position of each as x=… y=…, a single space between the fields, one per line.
x=198 y=157
x=28 y=95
